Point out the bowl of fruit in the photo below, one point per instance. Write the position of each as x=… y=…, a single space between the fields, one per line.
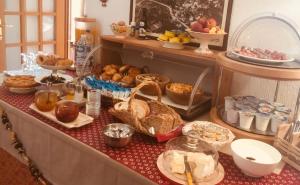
x=120 y=29
x=206 y=31
x=174 y=40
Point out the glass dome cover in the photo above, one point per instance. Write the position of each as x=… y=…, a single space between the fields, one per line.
x=202 y=158
x=267 y=33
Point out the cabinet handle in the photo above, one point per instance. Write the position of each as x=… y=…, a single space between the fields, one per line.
x=1 y=34
x=148 y=54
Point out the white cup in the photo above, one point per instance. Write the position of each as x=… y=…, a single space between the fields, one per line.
x=262 y=121
x=246 y=119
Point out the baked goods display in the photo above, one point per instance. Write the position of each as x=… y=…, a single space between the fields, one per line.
x=254 y=114
x=148 y=117
x=180 y=93
x=53 y=61
x=263 y=55
x=215 y=135
x=20 y=81
x=124 y=75
x=161 y=80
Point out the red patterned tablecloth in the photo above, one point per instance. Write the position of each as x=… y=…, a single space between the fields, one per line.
x=143 y=151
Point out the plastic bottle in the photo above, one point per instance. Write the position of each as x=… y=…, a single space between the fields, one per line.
x=82 y=49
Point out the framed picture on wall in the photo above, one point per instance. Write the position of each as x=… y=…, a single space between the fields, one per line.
x=161 y=15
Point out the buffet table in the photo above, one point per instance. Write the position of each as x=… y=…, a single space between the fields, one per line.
x=79 y=156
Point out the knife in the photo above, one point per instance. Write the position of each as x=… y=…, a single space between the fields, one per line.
x=188 y=171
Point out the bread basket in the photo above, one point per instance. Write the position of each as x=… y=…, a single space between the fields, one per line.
x=150 y=89
x=184 y=97
x=160 y=119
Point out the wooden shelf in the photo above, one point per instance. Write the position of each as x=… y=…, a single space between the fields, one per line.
x=186 y=54
x=237 y=132
x=258 y=71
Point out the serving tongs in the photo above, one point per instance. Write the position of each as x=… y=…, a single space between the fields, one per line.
x=188 y=171
x=295 y=125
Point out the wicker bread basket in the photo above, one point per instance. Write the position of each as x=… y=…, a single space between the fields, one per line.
x=161 y=118
x=150 y=89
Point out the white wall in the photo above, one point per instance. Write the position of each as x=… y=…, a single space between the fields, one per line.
x=116 y=10
x=119 y=10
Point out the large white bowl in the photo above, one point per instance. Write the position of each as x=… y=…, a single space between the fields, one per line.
x=255 y=158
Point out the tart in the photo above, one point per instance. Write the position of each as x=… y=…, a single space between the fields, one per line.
x=20 y=81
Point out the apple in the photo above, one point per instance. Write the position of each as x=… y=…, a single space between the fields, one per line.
x=67 y=111
x=206 y=30
x=203 y=21
x=196 y=26
x=211 y=23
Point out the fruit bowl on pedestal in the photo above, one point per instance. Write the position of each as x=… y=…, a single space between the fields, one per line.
x=204 y=39
x=170 y=45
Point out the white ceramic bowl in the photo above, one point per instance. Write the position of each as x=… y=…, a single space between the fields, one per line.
x=255 y=158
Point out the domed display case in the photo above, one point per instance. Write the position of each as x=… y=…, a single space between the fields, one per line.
x=267 y=39
x=265 y=46
x=188 y=154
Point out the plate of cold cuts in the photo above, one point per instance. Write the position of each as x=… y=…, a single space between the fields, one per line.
x=262 y=55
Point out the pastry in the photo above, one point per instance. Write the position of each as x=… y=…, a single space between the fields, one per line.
x=124 y=68
x=128 y=80
x=180 y=88
x=105 y=76
x=134 y=71
x=117 y=77
x=21 y=81
x=64 y=62
x=140 y=108
x=110 y=66
x=53 y=60
x=111 y=71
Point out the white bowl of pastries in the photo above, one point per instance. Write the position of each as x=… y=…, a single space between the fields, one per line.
x=255 y=158
x=53 y=62
x=213 y=134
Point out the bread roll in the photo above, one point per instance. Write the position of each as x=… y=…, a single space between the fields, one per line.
x=124 y=68
x=140 y=108
x=134 y=71
x=105 y=76
x=111 y=71
x=121 y=106
x=117 y=77
x=128 y=80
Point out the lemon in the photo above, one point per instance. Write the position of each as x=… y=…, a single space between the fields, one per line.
x=186 y=39
x=169 y=34
x=174 y=40
x=163 y=38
